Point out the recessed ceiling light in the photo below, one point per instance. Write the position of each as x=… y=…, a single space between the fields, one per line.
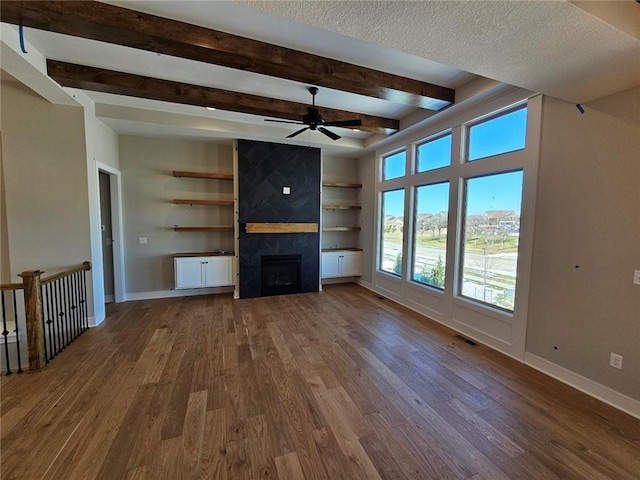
x=211 y=108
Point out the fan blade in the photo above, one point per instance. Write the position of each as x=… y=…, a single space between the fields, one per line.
x=298 y=132
x=344 y=123
x=329 y=134
x=283 y=121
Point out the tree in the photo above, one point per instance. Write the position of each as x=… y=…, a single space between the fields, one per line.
x=397 y=266
x=434 y=275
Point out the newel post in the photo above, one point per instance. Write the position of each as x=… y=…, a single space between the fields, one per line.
x=33 y=313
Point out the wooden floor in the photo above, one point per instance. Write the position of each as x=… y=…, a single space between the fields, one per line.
x=338 y=384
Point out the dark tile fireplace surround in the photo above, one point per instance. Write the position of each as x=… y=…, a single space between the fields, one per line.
x=263 y=170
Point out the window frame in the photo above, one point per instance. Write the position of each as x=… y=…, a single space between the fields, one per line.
x=463 y=211
x=433 y=138
x=414 y=234
x=381 y=234
x=487 y=118
x=389 y=155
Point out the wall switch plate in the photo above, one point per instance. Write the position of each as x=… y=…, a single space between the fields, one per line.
x=636 y=277
x=286 y=190
x=615 y=361
x=142 y=240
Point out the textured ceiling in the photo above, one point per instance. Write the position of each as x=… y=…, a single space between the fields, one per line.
x=553 y=47
x=577 y=51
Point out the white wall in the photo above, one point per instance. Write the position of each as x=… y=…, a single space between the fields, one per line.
x=148 y=192
x=587 y=241
x=45 y=180
x=101 y=148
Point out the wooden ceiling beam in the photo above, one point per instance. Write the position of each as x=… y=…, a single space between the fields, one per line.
x=122 y=26
x=109 y=81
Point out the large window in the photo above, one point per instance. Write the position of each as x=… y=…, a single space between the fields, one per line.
x=392 y=223
x=394 y=166
x=430 y=234
x=434 y=154
x=501 y=134
x=490 y=238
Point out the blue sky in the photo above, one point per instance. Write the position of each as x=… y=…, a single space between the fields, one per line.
x=495 y=192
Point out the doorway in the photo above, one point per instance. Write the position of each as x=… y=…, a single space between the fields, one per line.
x=106 y=236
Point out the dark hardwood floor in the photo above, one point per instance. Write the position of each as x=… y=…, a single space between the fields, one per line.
x=338 y=384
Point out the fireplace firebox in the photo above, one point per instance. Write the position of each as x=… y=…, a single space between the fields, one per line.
x=281 y=274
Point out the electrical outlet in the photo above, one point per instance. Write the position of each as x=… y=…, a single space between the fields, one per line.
x=615 y=361
x=142 y=240
x=636 y=277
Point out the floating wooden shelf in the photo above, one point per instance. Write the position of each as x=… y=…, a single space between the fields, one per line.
x=341 y=229
x=347 y=249
x=342 y=207
x=281 y=228
x=341 y=184
x=205 y=229
x=224 y=203
x=219 y=176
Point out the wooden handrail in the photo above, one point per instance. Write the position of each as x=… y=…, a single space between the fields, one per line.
x=11 y=286
x=79 y=268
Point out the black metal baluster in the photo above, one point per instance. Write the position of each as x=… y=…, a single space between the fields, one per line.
x=70 y=306
x=77 y=297
x=60 y=314
x=84 y=300
x=67 y=316
x=50 y=323
x=5 y=332
x=15 y=322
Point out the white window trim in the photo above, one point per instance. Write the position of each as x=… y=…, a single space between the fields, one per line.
x=448 y=307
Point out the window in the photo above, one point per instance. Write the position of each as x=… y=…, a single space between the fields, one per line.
x=430 y=234
x=392 y=231
x=434 y=154
x=502 y=134
x=490 y=238
x=394 y=165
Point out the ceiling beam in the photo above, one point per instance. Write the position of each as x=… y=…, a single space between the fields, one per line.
x=129 y=28
x=119 y=83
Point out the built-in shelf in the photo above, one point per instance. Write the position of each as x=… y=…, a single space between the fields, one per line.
x=342 y=207
x=337 y=249
x=341 y=229
x=341 y=184
x=223 y=203
x=218 y=176
x=205 y=229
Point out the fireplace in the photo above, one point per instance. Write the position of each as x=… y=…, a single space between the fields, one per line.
x=281 y=274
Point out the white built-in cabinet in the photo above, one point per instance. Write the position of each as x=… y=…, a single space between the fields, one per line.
x=340 y=256
x=199 y=272
x=341 y=263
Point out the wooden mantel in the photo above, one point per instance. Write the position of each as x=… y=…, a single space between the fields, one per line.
x=281 y=228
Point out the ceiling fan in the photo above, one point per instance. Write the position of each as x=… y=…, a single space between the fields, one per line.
x=314 y=121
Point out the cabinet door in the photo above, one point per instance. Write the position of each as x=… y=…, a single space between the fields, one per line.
x=189 y=272
x=330 y=264
x=350 y=264
x=219 y=271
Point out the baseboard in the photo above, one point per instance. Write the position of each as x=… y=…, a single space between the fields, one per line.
x=192 y=292
x=365 y=284
x=607 y=395
x=108 y=298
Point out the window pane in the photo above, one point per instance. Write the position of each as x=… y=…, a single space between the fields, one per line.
x=434 y=154
x=392 y=231
x=491 y=235
x=502 y=134
x=393 y=166
x=430 y=234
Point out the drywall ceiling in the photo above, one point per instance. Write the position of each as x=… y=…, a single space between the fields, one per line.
x=554 y=47
x=574 y=51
